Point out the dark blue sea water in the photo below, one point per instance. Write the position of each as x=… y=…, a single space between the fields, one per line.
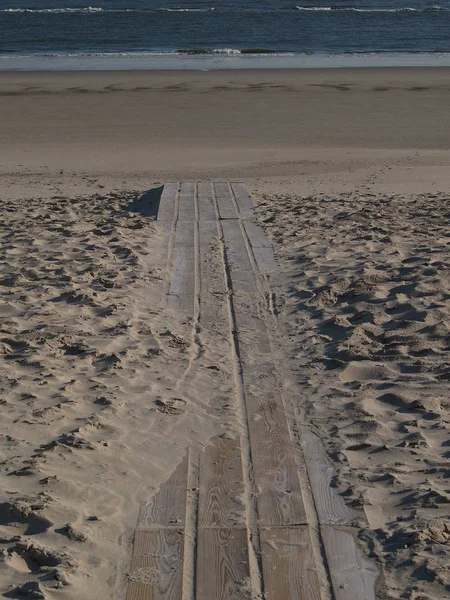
x=61 y=27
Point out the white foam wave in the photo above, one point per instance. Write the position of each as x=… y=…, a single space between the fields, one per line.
x=372 y=10
x=94 y=9
x=313 y=8
x=86 y=9
x=186 y=9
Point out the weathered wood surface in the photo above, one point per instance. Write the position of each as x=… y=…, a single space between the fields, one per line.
x=265 y=259
x=224 y=200
x=235 y=248
x=182 y=281
x=243 y=200
x=166 y=209
x=186 y=209
x=206 y=209
x=331 y=508
x=279 y=495
x=221 y=494
x=289 y=567
x=156 y=566
x=184 y=235
x=182 y=302
x=222 y=565
x=245 y=504
x=352 y=576
x=167 y=507
x=256 y=235
x=208 y=236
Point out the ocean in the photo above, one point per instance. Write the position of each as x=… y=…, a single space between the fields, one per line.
x=34 y=33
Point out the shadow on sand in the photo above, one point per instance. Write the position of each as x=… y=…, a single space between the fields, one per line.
x=147 y=205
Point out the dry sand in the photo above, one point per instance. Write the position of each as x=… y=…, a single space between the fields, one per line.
x=99 y=396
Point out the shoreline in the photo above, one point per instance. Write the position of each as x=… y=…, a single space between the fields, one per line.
x=217 y=60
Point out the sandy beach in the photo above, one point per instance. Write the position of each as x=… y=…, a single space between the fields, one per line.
x=349 y=173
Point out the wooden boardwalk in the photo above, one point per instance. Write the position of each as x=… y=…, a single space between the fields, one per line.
x=237 y=521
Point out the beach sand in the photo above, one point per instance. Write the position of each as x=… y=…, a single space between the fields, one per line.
x=349 y=171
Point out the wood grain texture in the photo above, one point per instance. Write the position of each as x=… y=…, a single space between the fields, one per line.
x=224 y=201
x=289 y=569
x=331 y=508
x=186 y=210
x=221 y=485
x=243 y=200
x=353 y=577
x=206 y=210
x=156 y=566
x=222 y=565
x=280 y=501
x=167 y=507
x=166 y=209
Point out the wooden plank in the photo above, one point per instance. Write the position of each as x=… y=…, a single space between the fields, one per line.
x=242 y=281
x=156 y=566
x=165 y=225
x=289 y=569
x=260 y=373
x=265 y=259
x=249 y=322
x=222 y=565
x=184 y=234
x=212 y=282
x=254 y=348
x=214 y=317
x=206 y=209
x=221 y=485
x=353 y=577
x=182 y=302
x=224 y=201
x=183 y=260
x=256 y=235
x=186 y=210
x=243 y=200
x=235 y=248
x=166 y=209
x=280 y=501
x=232 y=234
x=168 y=506
x=237 y=262
x=208 y=236
x=184 y=285
x=330 y=506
